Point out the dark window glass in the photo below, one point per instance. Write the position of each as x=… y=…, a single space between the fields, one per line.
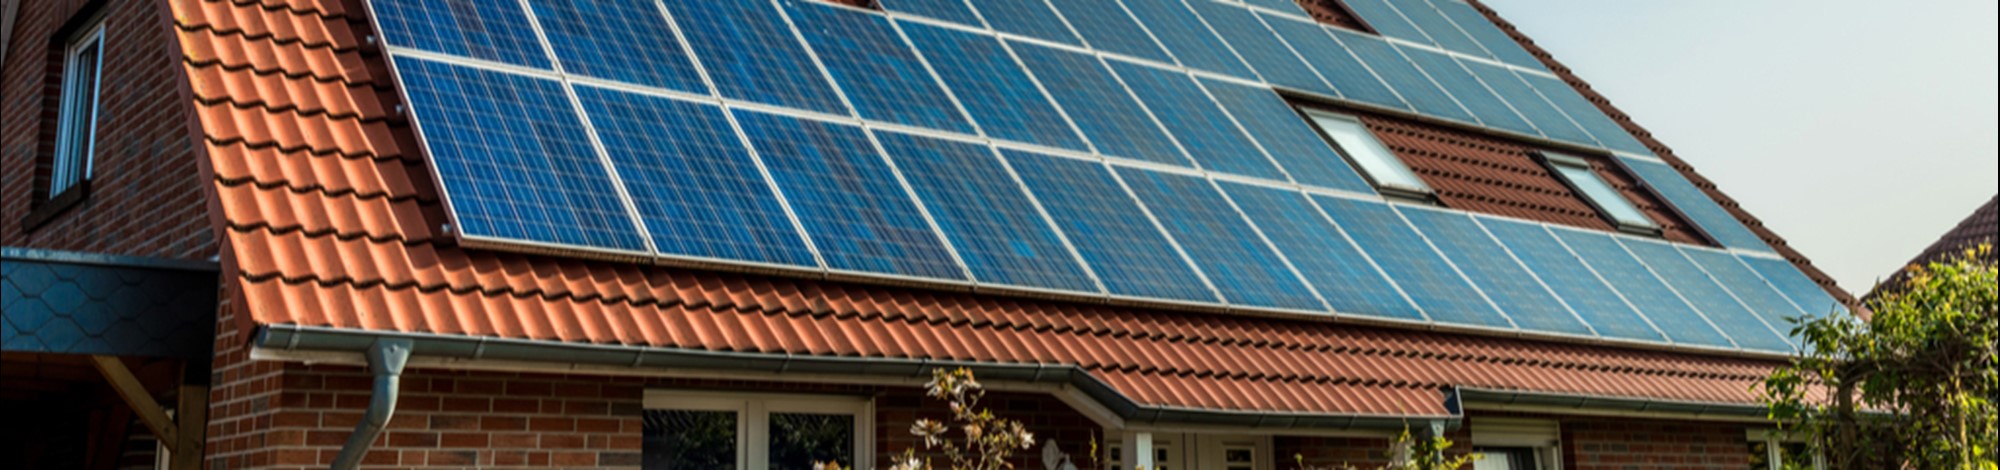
x=690 y=440
x=800 y=439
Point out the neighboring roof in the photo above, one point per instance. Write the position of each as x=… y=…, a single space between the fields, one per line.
x=331 y=221
x=1972 y=232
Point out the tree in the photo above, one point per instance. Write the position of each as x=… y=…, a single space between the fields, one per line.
x=1913 y=386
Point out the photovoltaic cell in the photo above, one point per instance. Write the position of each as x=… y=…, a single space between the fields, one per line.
x=1749 y=287
x=1236 y=260
x=693 y=181
x=1287 y=137
x=1107 y=27
x=879 y=72
x=985 y=214
x=1695 y=204
x=1469 y=91
x=1386 y=20
x=1442 y=293
x=1349 y=77
x=1593 y=300
x=1281 y=6
x=1187 y=37
x=1440 y=29
x=1546 y=118
x=1489 y=35
x=993 y=88
x=1607 y=132
x=1418 y=89
x=1487 y=264
x=514 y=157
x=859 y=217
x=1343 y=276
x=1031 y=18
x=955 y=11
x=1739 y=322
x=1107 y=114
x=620 y=40
x=1804 y=293
x=1128 y=253
x=495 y=30
x=752 y=55
x=1680 y=321
x=1261 y=48
x=1196 y=121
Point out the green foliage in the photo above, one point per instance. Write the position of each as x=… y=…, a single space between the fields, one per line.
x=1912 y=387
x=1409 y=453
x=983 y=442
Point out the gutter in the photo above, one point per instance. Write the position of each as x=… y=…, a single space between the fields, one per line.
x=1508 y=400
x=386 y=357
x=307 y=338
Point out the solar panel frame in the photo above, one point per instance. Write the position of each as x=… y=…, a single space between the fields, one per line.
x=1807 y=295
x=1470 y=91
x=849 y=43
x=1499 y=43
x=1693 y=204
x=1208 y=134
x=1587 y=293
x=1123 y=243
x=1546 y=117
x=1386 y=19
x=1002 y=99
x=1107 y=27
x=1236 y=257
x=1116 y=122
x=1716 y=302
x=1265 y=53
x=1351 y=78
x=506 y=42
x=1340 y=272
x=1284 y=135
x=1607 y=133
x=1188 y=38
x=586 y=36
x=1681 y=321
x=1442 y=30
x=1426 y=276
x=1518 y=292
x=1749 y=287
x=753 y=57
x=1415 y=86
x=1027 y=18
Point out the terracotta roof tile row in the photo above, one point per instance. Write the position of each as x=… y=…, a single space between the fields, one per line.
x=331 y=221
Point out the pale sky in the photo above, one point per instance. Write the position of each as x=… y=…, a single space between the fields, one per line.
x=1858 y=130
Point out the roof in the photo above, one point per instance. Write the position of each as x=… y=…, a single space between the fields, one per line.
x=1977 y=229
x=82 y=303
x=331 y=220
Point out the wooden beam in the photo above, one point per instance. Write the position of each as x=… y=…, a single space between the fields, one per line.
x=137 y=398
x=191 y=413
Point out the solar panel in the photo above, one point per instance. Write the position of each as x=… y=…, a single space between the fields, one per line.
x=1287 y=137
x=985 y=213
x=1126 y=250
x=1489 y=35
x=1760 y=296
x=1261 y=48
x=1441 y=30
x=998 y=94
x=1341 y=274
x=1803 y=292
x=1695 y=204
x=1107 y=27
x=693 y=182
x=1587 y=295
x=514 y=157
x=752 y=55
x=1680 y=321
x=1430 y=281
x=858 y=215
x=1408 y=81
x=1379 y=14
x=620 y=40
x=492 y=30
x=1487 y=264
x=1107 y=114
x=1546 y=118
x=879 y=73
x=1281 y=6
x=1225 y=247
x=1353 y=80
x=955 y=11
x=1196 y=121
x=1031 y=18
x=1187 y=38
x=1470 y=91
x=1607 y=132
x=1746 y=327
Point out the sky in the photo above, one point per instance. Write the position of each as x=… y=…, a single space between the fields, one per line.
x=1860 y=131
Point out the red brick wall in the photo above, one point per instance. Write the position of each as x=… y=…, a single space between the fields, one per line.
x=1329 y=452
x=1653 y=445
x=145 y=194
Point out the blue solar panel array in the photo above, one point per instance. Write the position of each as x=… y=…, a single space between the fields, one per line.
x=1130 y=149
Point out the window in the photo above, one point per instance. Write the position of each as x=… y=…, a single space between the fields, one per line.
x=750 y=431
x=76 y=131
x=1774 y=450
x=1516 y=444
x=1504 y=458
x=1375 y=161
x=1583 y=179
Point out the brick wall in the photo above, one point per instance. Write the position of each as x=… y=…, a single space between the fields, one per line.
x=1653 y=445
x=145 y=193
x=1329 y=452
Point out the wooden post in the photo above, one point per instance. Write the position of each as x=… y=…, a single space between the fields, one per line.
x=191 y=416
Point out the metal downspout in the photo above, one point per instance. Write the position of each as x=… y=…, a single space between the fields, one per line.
x=386 y=358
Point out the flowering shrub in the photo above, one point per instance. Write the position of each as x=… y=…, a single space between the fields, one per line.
x=982 y=442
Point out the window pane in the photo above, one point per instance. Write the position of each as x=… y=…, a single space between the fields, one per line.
x=1369 y=154
x=1604 y=195
x=690 y=440
x=799 y=439
x=79 y=106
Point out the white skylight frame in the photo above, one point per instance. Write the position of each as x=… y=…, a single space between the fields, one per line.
x=1610 y=203
x=1372 y=159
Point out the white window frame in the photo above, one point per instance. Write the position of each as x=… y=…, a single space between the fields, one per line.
x=1542 y=437
x=72 y=165
x=1635 y=221
x=1389 y=173
x=1773 y=447
x=753 y=418
x=1193 y=451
